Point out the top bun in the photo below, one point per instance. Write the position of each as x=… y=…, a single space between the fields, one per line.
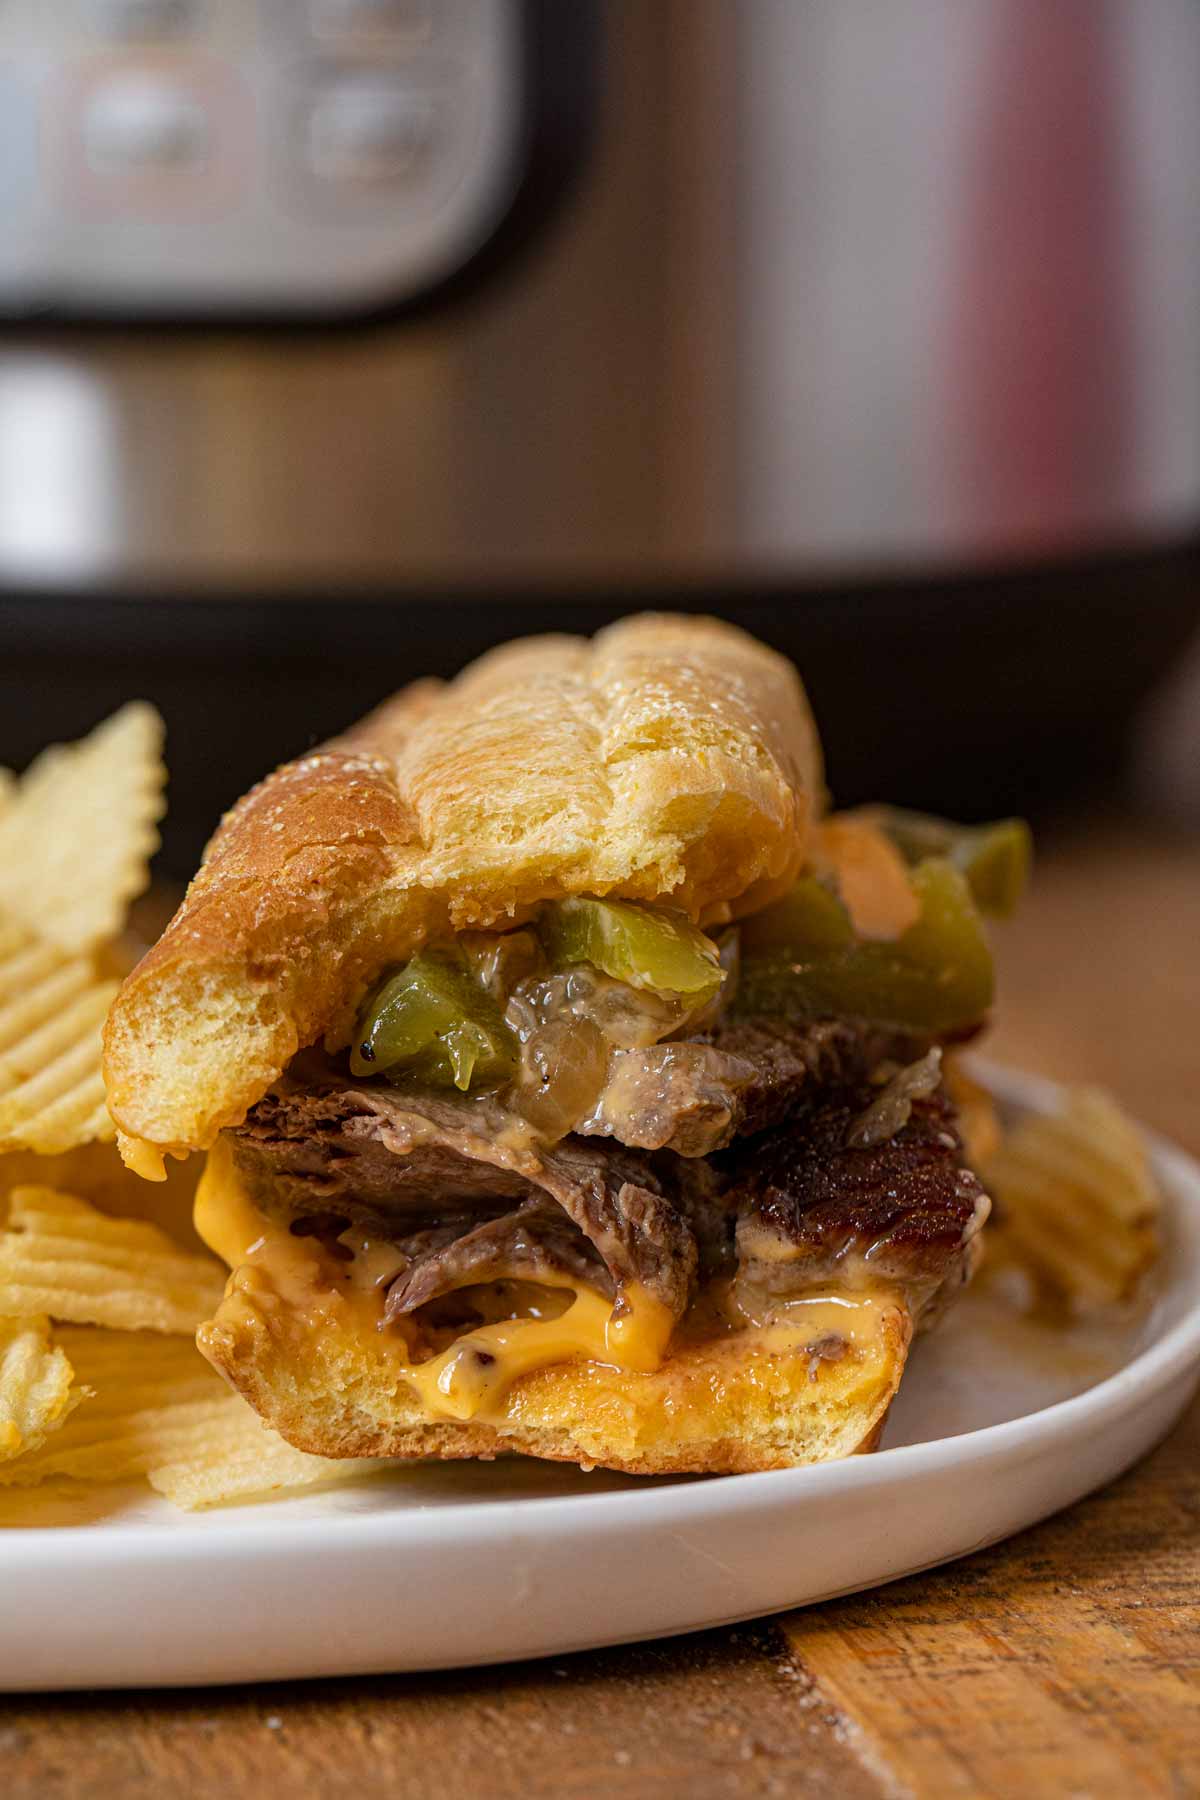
x=668 y=758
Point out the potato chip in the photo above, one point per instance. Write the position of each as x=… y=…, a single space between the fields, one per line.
x=978 y=1120
x=116 y=1447
x=238 y=1458
x=8 y=786
x=52 y=1009
x=157 y=1409
x=154 y=1398
x=1077 y=1205
x=96 y=1173
x=78 y=832
x=36 y=1393
x=62 y=1257
x=137 y=1368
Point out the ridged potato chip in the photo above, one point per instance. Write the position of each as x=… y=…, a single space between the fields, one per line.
x=156 y=1408
x=137 y=1368
x=79 y=829
x=978 y=1120
x=62 y=1257
x=238 y=1458
x=52 y=1009
x=153 y=1399
x=1076 y=1202
x=95 y=1172
x=36 y=1391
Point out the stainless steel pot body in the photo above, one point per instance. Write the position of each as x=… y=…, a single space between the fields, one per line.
x=844 y=286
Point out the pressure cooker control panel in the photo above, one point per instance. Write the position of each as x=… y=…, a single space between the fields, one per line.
x=162 y=157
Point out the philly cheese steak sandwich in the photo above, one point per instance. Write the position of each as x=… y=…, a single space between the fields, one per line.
x=569 y=1082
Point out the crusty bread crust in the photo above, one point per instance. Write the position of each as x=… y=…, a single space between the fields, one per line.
x=668 y=758
x=730 y=1406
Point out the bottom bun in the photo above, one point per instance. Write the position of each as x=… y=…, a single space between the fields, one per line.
x=753 y=1399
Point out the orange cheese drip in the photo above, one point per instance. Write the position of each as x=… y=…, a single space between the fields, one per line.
x=471 y=1378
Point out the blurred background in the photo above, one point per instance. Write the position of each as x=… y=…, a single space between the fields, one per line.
x=340 y=339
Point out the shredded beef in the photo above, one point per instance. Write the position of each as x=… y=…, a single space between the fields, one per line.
x=683 y=1097
x=536 y=1242
x=466 y=1194
x=696 y=1095
x=329 y=1149
x=414 y=1160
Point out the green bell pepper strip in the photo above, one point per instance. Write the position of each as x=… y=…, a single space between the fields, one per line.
x=801 y=956
x=994 y=858
x=434 y=1020
x=632 y=943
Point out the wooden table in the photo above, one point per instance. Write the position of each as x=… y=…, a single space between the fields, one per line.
x=1066 y=1662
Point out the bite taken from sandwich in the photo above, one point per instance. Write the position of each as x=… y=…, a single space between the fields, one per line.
x=571 y=1080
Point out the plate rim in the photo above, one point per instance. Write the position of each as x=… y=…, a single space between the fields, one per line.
x=693 y=1500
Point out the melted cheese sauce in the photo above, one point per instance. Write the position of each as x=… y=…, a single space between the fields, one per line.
x=146 y=1160
x=853 y=1315
x=474 y=1374
x=273 y=1267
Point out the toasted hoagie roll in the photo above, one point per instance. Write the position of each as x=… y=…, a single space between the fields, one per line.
x=497 y=1157
x=670 y=758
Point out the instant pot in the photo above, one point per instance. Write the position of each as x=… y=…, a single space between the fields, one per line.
x=340 y=338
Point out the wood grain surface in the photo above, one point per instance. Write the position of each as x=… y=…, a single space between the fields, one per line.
x=1063 y=1663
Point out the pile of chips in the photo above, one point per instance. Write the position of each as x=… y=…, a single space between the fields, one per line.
x=1077 y=1207
x=76 y=835
x=102 y=1283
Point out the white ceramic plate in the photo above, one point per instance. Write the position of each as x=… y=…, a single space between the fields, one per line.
x=998 y=1424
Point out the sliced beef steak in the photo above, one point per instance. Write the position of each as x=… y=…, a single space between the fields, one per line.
x=467 y=1194
x=340 y=1147
x=400 y=1162
x=695 y=1095
x=813 y=1207
x=536 y=1243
